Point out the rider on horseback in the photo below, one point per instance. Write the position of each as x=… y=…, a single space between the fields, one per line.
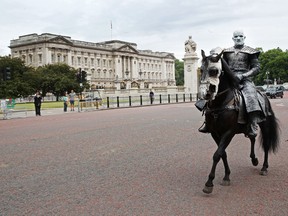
x=243 y=61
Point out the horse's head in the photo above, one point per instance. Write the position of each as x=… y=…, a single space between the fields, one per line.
x=211 y=70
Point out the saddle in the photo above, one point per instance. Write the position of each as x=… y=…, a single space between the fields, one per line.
x=262 y=100
x=238 y=104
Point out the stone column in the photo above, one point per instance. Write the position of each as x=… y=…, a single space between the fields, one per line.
x=69 y=58
x=118 y=66
x=191 y=82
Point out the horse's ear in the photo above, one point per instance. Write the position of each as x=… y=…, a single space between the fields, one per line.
x=203 y=54
x=218 y=56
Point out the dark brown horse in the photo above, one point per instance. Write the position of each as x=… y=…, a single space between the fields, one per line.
x=218 y=87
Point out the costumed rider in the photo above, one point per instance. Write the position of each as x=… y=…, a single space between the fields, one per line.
x=243 y=61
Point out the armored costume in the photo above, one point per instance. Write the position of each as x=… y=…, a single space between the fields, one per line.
x=243 y=61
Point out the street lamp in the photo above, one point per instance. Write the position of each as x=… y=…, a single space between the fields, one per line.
x=267 y=78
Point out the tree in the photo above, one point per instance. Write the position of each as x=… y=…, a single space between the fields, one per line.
x=179 y=72
x=274 y=65
x=18 y=82
x=58 y=79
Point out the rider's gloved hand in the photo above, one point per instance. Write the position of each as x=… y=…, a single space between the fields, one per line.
x=239 y=77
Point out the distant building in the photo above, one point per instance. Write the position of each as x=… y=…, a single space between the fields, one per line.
x=111 y=64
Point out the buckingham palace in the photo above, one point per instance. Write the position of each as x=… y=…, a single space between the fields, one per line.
x=110 y=64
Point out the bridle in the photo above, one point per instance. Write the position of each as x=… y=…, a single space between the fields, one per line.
x=211 y=72
x=232 y=103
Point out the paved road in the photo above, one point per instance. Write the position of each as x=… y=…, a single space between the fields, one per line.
x=139 y=161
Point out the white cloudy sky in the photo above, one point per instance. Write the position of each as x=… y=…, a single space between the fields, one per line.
x=158 y=25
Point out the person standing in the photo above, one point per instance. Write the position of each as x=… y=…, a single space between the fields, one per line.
x=151 y=95
x=65 y=101
x=72 y=100
x=37 y=103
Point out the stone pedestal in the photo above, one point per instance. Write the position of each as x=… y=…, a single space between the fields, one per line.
x=191 y=82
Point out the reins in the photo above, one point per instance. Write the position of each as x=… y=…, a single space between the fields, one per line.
x=231 y=105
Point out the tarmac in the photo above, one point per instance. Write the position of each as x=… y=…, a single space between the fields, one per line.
x=146 y=161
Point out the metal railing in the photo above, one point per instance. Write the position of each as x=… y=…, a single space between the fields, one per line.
x=133 y=101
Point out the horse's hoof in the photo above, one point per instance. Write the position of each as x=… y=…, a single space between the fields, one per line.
x=255 y=162
x=225 y=183
x=264 y=172
x=208 y=190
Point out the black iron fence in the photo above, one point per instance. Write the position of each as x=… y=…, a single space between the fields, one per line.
x=132 y=101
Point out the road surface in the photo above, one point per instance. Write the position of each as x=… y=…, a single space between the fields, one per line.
x=135 y=161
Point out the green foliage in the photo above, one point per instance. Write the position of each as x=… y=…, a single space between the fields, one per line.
x=179 y=72
x=58 y=79
x=274 y=65
x=25 y=81
x=19 y=84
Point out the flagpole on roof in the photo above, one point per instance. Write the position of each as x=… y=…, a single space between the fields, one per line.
x=111 y=28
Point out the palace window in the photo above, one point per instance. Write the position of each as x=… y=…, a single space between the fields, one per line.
x=105 y=75
x=79 y=60
x=58 y=58
x=30 y=59
x=40 y=58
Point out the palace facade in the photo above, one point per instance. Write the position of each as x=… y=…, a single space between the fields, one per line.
x=111 y=64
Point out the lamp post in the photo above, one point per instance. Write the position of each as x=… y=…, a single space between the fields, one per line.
x=267 y=78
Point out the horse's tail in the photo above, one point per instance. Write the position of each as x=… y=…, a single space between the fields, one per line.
x=270 y=131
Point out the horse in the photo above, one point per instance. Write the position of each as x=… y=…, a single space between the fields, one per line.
x=219 y=88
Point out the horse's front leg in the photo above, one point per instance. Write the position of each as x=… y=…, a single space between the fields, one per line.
x=209 y=184
x=226 y=179
x=220 y=153
x=252 y=152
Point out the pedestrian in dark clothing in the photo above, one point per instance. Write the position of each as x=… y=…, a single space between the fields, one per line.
x=151 y=95
x=65 y=100
x=37 y=103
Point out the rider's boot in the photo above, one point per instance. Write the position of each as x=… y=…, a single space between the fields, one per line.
x=203 y=128
x=252 y=128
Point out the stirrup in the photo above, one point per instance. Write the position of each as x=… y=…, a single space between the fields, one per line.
x=203 y=128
